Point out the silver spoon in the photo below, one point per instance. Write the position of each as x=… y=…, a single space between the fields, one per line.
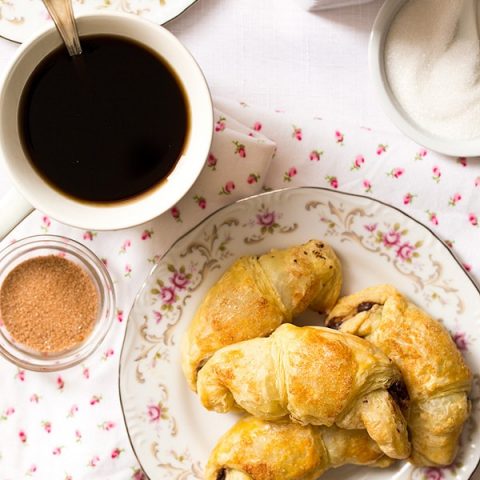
x=61 y=12
x=467 y=25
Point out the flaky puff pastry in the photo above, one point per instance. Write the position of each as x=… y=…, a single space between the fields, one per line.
x=255 y=449
x=436 y=377
x=257 y=294
x=312 y=375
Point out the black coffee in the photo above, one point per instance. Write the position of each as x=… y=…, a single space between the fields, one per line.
x=106 y=125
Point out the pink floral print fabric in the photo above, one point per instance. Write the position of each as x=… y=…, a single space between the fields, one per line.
x=69 y=425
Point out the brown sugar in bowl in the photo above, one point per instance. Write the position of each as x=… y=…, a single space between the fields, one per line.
x=57 y=302
x=48 y=303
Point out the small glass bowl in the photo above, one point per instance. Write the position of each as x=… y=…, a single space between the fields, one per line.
x=41 y=245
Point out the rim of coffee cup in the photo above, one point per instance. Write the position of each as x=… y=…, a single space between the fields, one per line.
x=128 y=212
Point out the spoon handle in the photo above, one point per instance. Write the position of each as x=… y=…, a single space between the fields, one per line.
x=467 y=25
x=62 y=14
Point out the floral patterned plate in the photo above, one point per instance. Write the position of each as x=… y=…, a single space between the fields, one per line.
x=20 y=18
x=170 y=431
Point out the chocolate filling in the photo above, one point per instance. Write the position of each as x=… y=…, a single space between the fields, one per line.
x=365 y=306
x=335 y=323
x=222 y=474
x=399 y=393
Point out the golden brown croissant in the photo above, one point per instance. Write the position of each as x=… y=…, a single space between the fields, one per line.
x=257 y=294
x=255 y=449
x=313 y=375
x=436 y=376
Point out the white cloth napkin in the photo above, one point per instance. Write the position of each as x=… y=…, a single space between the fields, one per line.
x=236 y=167
x=313 y=5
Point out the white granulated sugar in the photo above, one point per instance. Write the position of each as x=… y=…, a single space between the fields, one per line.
x=435 y=75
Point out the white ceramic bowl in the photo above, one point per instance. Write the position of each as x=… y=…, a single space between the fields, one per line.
x=381 y=27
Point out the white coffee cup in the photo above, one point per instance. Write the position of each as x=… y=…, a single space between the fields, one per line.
x=31 y=191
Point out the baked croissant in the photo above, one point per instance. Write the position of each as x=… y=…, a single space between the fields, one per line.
x=257 y=294
x=254 y=449
x=436 y=377
x=312 y=375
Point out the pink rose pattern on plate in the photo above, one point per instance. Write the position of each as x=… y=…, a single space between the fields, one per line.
x=70 y=425
x=173 y=291
x=267 y=222
x=397 y=240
